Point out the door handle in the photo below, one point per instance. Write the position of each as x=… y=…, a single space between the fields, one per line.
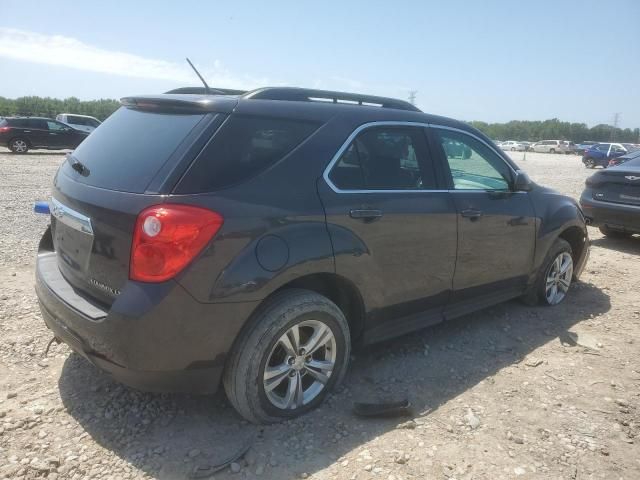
x=365 y=214
x=472 y=214
x=27 y=131
x=518 y=222
x=52 y=133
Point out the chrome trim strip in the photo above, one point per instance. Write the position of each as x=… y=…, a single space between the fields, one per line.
x=71 y=218
x=364 y=126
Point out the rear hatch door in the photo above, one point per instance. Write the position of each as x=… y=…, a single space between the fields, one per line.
x=127 y=164
x=618 y=185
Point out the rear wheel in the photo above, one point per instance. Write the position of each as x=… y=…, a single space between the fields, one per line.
x=613 y=233
x=554 y=277
x=295 y=351
x=18 y=145
x=589 y=163
x=553 y=150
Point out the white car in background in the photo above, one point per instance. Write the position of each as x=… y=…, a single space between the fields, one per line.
x=513 y=146
x=79 y=122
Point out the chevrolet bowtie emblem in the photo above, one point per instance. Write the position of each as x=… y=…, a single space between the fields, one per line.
x=632 y=177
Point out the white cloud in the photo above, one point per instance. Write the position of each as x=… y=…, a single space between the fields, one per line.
x=69 y=52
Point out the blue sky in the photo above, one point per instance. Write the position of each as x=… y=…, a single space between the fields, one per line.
x=473 y=60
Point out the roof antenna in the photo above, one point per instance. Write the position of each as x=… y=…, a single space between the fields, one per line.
x=206 y=87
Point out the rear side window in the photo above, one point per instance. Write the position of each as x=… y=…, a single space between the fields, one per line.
x=385 y=158
x=75 y=120
x=243 y=147
x=127 y=151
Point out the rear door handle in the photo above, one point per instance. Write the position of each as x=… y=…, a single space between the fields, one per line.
x=365 y=214
x=471 y=214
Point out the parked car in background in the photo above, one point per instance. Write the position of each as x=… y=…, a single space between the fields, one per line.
x=249 y=240
x=624 y=158
x=611 y=199
x=513 y=146
x=79 y=122
x=569 y=147
x=550 y=146
x=586 y=145
x=600 y=154
x=20 y=134
x=527 y=145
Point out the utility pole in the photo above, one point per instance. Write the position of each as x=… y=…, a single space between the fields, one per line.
x=616 y=122
x=412 y=96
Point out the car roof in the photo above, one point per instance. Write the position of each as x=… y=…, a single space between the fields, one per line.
x=78 y=115
x=310 y=104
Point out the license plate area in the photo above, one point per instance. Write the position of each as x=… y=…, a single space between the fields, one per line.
x=72 y=236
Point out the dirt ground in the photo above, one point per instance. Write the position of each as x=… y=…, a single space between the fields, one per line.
x=509 y=392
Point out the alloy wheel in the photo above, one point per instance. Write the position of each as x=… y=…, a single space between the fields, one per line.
x=299 y=365
x=558 y=278
x=19 y=146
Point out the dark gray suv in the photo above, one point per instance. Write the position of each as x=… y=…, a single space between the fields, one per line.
x=253 y=239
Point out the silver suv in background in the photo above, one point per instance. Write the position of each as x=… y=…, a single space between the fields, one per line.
x=550 y=146
x=79 y=122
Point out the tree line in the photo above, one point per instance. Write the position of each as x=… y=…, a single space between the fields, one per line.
x=50 y=107
x=514 y=130
x=554 y=129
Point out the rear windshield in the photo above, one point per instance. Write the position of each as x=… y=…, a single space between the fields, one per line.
x=243 y=147
x=130 y=147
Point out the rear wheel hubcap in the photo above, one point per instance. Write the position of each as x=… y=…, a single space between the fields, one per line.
x=299 y=365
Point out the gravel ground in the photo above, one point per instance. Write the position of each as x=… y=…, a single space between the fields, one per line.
x=509 y=392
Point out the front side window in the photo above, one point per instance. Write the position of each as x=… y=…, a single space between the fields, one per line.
x=385 y=158
x=55 y=126
x=473 y=165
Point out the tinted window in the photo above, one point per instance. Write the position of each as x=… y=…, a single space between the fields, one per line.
x=17 y=122
x=130 y=147
x=603 y=147
x=56 y=126
x=243 y=147
x=385 y=158
x=473 y=165
x=37 y=123
x=76 y=120
x=92 y=122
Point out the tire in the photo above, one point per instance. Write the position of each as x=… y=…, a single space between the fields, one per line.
x=613 y=233
x=538 y=293
x=513 y=149
x=19 y=145
x=263 y=344
x=589 y=163
x=553 y=150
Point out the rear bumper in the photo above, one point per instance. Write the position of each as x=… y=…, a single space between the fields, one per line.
x=154 y=337
x=619 y=216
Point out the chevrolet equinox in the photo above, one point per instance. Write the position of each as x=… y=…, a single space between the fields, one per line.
x=251 y=240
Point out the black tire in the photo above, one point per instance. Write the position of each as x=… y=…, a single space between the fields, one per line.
x=536 y=295
x=589 y=163
x=19 y=145
x=243 y=376
x=553 y=150
x=613 y=233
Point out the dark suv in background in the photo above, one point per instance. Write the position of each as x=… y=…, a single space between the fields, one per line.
x=20 y=134
x=251 y=239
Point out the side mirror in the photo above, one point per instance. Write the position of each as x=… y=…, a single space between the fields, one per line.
x=522 y=182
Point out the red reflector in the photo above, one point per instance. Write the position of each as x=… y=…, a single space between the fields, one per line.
x=173 y=237
x=4 y=129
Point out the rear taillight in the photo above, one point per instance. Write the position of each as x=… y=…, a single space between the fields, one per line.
x=4 y=129
x=167 y=237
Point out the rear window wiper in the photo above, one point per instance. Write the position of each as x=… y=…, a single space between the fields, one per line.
x=77 y=165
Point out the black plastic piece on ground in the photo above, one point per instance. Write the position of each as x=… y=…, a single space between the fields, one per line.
x=400 y=408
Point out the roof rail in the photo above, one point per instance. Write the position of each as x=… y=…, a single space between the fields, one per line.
x=203 y=91
x=311 y=95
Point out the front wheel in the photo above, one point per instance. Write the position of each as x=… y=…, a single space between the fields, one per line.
x=553 y=150
x=554 y=278
x=589 y=163
x=18 y=145
x=293 y=353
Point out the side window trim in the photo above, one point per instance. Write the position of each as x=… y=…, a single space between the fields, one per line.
x=428 y=138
